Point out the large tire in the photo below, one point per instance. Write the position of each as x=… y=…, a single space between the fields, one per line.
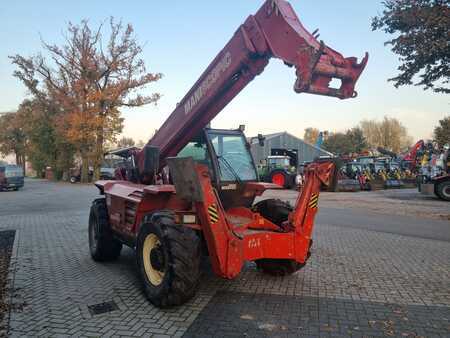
x=443 y=190
x=278 y=267
x=282 y=178
x=277 y=212
x=102 y=244
x=168 y=257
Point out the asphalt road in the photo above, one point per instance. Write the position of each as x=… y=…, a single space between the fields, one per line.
x=400 y=225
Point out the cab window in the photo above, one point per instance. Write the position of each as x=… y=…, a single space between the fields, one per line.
x=198 y=151
x=234 y=159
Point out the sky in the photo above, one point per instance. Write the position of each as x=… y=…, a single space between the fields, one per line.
x=182 y=37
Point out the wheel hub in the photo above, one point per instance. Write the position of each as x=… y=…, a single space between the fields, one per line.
x=153 y=259
x=157 y=258
x=278 y=179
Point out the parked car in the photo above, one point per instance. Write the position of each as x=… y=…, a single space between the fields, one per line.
x=106 y=173
x=11 y=177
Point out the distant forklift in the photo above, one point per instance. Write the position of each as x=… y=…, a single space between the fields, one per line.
x=280 y=168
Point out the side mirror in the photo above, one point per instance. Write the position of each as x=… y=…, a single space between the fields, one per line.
x=261 y=140
x=151 y=161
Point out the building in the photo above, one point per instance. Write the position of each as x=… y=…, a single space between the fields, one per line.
x=283 y=140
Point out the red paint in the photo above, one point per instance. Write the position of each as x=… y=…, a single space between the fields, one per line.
x=278 y=179
x=237 y=235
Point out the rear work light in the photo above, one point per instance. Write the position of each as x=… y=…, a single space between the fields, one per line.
x=185 y=219
x=189 y=219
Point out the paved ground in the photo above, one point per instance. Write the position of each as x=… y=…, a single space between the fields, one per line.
x=6 y=245
x=362 y=280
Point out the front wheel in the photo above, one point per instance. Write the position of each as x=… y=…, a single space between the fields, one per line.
x=168 y=257
x=443 y=190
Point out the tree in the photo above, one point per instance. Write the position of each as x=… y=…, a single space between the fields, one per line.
x=12 y=137
x=46 y=145
x=389 y=134
x=339 y=144
x=421 y=40
x=442 y=132
x=311 y=135
x=125 y=142
x=357 y=139
x=89 y=82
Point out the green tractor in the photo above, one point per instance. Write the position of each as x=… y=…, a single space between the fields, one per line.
x=278 y=169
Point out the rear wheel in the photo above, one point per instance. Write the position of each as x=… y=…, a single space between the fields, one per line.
x=169 y=261
x=277 y=212
x=443 y=190
x=278 y=178
x=102 y=244
x=282 y=178
x=278 y=267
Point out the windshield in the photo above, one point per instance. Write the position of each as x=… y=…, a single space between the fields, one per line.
x=234 y=159
x=379 y=166
x=13 y=171
x=279 y=161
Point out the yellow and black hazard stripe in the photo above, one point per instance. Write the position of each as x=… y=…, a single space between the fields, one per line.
x=213 y=213
x=313 y=201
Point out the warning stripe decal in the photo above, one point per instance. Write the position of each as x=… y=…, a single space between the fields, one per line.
x=313 y=201
x=213 y=213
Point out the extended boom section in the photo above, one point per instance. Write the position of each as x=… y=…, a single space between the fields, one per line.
x=274 y=31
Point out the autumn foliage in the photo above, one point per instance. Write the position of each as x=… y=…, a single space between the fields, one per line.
x=87 y=81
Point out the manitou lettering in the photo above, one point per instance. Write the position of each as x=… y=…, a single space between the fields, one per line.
x=211 y=78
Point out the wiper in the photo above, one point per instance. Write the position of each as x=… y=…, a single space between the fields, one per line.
x=230 y=168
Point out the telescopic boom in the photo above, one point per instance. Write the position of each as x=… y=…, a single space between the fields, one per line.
x=274 y=31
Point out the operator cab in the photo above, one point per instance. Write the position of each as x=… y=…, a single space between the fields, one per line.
x=230 y=162
x=277 y=161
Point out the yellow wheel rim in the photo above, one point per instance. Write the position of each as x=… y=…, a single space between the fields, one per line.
x=154 y=276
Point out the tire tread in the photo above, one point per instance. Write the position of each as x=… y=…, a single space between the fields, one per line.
x=184 y=263
x=108 y=248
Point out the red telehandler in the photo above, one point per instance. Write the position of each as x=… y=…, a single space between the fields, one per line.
x=191 y=189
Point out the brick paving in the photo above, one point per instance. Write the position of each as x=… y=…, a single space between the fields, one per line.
x=358 y=283
x=274 y=315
